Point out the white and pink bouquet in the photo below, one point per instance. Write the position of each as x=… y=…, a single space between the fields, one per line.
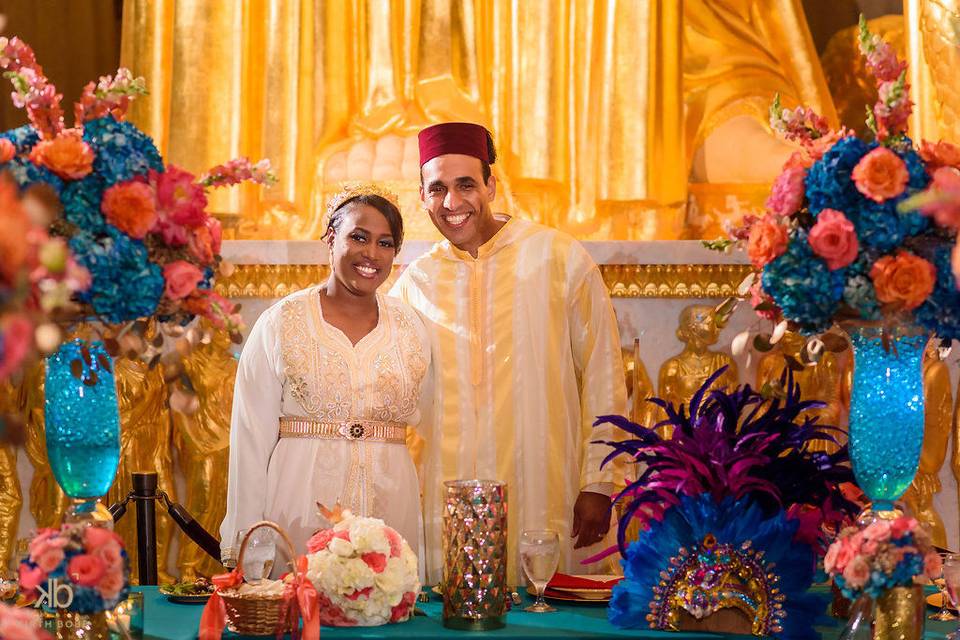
x=885 y=554
x=364 y=572
x=89 y=561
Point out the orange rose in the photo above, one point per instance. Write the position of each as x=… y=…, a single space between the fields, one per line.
x=7 y=150
x=67 y=155
x=903 y=279
x=129 y=206
x=941 y=154
x=880 y=175
x=766 y=241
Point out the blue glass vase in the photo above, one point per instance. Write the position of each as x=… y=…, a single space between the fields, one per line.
x=82 y=422
x=886 y=410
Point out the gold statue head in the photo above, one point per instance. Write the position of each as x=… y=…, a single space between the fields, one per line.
x=698 y=328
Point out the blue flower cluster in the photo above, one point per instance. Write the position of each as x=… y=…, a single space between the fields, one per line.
x=126 y=284
x=902 y=575
x=81 y=203
x=803 y=286
x=828 y=182
x=23 y=138
x=85 y=599
x=122 y=150
x=940 y=313
x=25 y=173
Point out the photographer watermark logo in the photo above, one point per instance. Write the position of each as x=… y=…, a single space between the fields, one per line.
x=56 y=595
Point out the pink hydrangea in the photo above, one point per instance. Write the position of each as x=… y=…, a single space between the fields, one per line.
x=786 y=196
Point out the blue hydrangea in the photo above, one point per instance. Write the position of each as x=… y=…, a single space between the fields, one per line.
x=802 y=286
x=828 y=182
x=916 y=168
x=126 y=284
x=81 y=203
x=878 y=225
x=207 y=282
x=86 y=600
x=940 y=313
x=23 y=138
x=122 y=150
x=860 y=295
x=26 y=174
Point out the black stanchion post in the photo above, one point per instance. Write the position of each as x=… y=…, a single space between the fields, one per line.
x=145 y=495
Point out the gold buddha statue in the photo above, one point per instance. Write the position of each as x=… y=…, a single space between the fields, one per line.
x=823 y=381
x=938 y=423
x=683 y=374
x=11 y=497
x=202 y=441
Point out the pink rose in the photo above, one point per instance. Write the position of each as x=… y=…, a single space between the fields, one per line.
x=320 y=540
x=85 y=569
x=111 y=584
x=786 y=196
x=767 y=241
x=834 y=239
x=179 y=199
x=401 y=611
x=31 y=577
x=396 y=542
x=216 y=234
x=880 y=175
x=830 y=560
x=182 y=278
x=857 y=573
x=376 y=561
x=902 y=526
x=846 y=554
x=111 y=556
x=50 y=558
x=932 y=565
x=943 y=198
x=96 y=537
x=878 y=530
x=870 y=547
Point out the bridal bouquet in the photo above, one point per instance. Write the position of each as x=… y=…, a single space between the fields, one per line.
x=886 y=554
x=90 y=561
x=364 y=572
x=837 y=241
x=139 y=227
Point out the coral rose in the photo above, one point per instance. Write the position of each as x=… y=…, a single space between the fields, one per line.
x=97 y=537
x=881 y=175
x=49 y=559
x=31 y=577
x=767 y=240
x=786 y=196
x=7 y=150
x=834 y=239
x=857 y=573
x=830 y=560
x=940 y=154
x=200 y=244
x=319 y=540
x=376 y=561
x=111 y=555
x=904 y=279
x=67 y=155
x=129 y=207
x=85 y=569
x=111 y=584
x=182 y=279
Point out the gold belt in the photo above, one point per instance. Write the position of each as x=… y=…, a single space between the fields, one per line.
x=371 y=430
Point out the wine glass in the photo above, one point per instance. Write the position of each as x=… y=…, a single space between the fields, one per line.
x=944 y=614
x=539 y=556
x=259 y=555
x=951 y=579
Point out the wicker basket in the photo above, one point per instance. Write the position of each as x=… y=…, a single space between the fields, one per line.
x=255 y=614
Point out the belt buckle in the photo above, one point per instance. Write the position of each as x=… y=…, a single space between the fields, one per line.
x=356 y=431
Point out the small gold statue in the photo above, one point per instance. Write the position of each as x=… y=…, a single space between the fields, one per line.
x=11 y=497
x=822 y=381
x=938 y=423
x=639 y=386
x=202 y=441
x=683 y=374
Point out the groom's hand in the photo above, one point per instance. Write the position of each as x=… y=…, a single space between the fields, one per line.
x=591 y=518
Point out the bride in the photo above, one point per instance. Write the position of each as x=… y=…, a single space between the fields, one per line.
x=328 y=380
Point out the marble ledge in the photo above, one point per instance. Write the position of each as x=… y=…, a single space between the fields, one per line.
x=611 y=252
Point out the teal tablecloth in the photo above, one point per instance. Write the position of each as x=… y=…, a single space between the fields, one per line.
x=167 y=621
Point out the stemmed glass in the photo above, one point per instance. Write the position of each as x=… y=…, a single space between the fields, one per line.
x=944 y=614
x=260 y=553
x=951 y=579
x=539 y=556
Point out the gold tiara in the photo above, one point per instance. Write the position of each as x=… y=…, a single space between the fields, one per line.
x=353 y=190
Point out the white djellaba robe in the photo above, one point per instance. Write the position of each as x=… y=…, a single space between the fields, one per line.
x=295 y=364
x=527 y=354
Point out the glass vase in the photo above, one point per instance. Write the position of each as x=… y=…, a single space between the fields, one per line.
x=886 y=410
x=82 y=424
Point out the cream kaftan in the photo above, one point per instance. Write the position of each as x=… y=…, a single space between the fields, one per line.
x=527 y=354
x=295 y=364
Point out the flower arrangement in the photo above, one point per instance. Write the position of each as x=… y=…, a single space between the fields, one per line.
x=364 y=572
x=733 y=506
x=20 y=624
x=90 y=560
x=883 y=555
x=836 y=242
x=138 y=226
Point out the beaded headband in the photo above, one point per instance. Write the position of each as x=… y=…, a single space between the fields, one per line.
x=351 y=191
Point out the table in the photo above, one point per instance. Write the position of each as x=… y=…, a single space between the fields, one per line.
x=167 y=621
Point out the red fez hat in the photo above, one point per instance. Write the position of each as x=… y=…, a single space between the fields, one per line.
x=464 y=138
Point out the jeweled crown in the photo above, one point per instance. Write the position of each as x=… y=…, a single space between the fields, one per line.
x=359 y=189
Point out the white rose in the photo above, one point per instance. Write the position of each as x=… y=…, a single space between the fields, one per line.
x=341 y=547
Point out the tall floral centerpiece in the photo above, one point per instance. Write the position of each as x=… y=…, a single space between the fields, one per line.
x=837 y=246
x=140 y=231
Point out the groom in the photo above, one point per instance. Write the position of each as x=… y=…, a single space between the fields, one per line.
x=527 y=355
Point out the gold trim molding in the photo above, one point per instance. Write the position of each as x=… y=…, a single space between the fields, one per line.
x=623 y=280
